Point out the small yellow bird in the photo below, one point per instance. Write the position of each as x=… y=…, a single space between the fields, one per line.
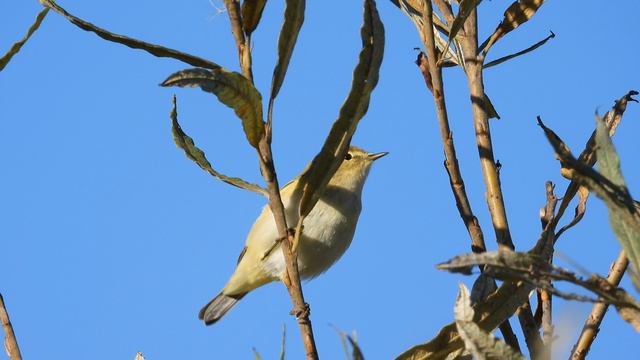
x=327 y=233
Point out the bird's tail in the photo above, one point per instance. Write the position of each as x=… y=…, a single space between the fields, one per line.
x=218 y=307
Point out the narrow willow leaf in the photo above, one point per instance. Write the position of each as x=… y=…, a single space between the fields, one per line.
x=519 y=53
x=517 y=14
x=184 y=142
x=365 y=78
x=356 y=353
x=233 y=90
x=293 y=19
x=15 y=48
x=627 y=232
x=256 y=354
x=489 y=314
x=481 y=344
x=156 y=50
x=464 y=10
x=581 y=208
x=251 y=14
x=488 y=107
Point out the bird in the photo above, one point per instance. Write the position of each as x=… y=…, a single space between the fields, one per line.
x=327 y=233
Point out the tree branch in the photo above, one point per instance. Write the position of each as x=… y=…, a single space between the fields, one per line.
x=495 y=201
x=243 y=43
x=592 y=325
x=291 y=277
x=433 y=78
x=430 y=70
x=10 y=343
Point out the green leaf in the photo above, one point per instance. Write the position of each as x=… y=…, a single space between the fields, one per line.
x=293 y=19
x=488 y=314
x=626 y=226
x=233 y=90
x=481 y=344
x=156 y=50
x=365 y=77
x=251 y=14
x=184 y=142
x=15 y=48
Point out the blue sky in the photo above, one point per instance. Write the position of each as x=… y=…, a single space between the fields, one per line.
x=112 y=240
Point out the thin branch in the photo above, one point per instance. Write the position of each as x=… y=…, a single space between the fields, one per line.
x=495 y=201
x=547 y=325
x=592 y=325
x=156 y=50
x=243 y=43
x=433 y=78
x=519 y=53
x=544 y=296
x=483 y=134
x=10 y=343
x=291 y=277
x=431 y=71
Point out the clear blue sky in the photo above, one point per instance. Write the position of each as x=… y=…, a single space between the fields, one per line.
x=112 y=240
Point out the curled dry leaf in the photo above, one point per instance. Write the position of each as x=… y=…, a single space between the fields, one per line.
x=481 y=344
x=581 y=208
x=609 y=185
x=15 y=48
x=251 y=14
x=233 y=90
x=488 y=315
x=365 y=78
x=184 y=142
x=537 y=272
x=517 y=13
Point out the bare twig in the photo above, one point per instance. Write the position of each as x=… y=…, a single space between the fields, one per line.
x=483 y=133
x=433 y=78
x=592 y=325
x=291 y=277
x=544 y=296
x=243 y=43
x=10 y=343
x=547 y=325
x=431 y=71
x=495 y=201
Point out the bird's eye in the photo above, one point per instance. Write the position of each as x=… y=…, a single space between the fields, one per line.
x=348 y=156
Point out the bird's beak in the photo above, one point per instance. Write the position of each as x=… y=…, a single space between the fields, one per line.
x=376 y=156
